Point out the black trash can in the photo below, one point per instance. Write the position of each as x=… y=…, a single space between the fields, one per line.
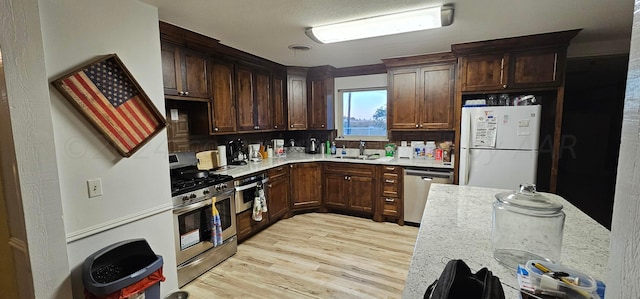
x=123 y=270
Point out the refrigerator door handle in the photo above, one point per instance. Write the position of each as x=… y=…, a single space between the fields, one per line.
x=467 y=149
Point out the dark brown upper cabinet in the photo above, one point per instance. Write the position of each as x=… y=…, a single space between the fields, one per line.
x=321 y=102
x=222 y=107
x=184 y=72
x=278 y=96
x=297 y=98
x=535 y=61
x=253 y=98
x=421 y=92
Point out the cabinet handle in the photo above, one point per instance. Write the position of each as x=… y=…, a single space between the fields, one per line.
x=345 y=177
x=290 y=166
x=322 y=125
x=504 y=86
x=181 y=93
x=390 y=168
x=279 y=169
x=256 y=128
x=270 y=186
x=389 y=199
x=186 y=93
x=291 y=126
x=349 y=178
x=390 y=181
x=420 y=126
x=416 y=125
x=216 y=129
x=275 y=127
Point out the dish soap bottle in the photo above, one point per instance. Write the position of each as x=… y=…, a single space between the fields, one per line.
x=333 y=148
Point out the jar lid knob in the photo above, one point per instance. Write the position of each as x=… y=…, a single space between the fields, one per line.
x=528 y=189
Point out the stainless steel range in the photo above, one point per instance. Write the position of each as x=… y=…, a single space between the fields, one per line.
x=194 y=194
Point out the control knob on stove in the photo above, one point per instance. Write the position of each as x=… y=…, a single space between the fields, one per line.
x=206 y=191
x=192 y=196
x=185 y=198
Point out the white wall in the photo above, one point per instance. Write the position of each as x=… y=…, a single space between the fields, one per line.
x=30 y=110
x=137 y=198
x=624 y=255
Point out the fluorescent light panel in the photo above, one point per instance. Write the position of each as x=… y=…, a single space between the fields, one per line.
x=409 y=21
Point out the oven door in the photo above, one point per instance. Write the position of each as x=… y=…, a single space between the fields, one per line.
x=193 y=225
x=245 y=195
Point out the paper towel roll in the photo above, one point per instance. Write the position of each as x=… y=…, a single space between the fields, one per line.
x=222 y=152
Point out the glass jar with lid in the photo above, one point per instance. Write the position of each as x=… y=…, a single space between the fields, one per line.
x=527 y=225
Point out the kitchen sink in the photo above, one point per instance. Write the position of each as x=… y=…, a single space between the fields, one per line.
x=363 y=157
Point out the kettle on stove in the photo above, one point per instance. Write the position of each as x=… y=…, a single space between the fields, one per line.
x=313 y=146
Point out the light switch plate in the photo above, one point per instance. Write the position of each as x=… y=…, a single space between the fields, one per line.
x=95 y=187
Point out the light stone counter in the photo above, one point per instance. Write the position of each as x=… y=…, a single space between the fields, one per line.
x=456 y=224
x=253 y=167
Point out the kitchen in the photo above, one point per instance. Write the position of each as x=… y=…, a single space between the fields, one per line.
x=80 y=145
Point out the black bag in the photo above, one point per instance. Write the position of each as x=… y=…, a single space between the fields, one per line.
x=457 y=281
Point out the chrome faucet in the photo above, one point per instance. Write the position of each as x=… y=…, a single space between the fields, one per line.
x=362 y=146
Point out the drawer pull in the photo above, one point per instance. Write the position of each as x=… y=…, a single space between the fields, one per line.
x=390 y=181
x=389 y=199
x=390 y=168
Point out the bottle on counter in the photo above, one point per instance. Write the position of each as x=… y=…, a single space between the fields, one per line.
x=327 y=149
x=344 y=150
x=430 y=150
x=333 y=148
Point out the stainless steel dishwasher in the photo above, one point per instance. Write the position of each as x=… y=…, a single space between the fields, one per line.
x=416 y=189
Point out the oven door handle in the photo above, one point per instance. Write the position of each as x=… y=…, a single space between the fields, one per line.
x=252 y=185
x=192 y=207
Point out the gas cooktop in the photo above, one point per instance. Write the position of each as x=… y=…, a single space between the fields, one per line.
x=190 y=179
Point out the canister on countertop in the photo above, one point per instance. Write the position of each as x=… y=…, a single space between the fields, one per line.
x=527 y=225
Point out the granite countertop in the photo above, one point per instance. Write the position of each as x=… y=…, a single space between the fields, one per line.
x=456 y=224
x=296 y=157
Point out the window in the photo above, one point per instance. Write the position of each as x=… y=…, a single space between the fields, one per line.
x=364 y=113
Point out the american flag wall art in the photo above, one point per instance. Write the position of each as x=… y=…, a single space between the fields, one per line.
x=112 y=101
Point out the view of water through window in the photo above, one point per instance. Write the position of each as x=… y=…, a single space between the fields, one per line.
x=364 y=112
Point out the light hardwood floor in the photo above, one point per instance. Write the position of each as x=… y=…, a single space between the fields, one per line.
x=314 y=256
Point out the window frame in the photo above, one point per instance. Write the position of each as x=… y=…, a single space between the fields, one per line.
x=340 y=114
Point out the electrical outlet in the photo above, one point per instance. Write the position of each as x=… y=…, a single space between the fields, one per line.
x=95 y=187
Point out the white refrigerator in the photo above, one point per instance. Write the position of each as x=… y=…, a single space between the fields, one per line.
x=499 y=146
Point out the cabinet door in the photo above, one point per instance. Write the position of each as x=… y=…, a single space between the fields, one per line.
x=244 y=98
x=335 y=191
x=403 y=104
x=194 y=68
x=278 y=197
x=361 y=194
x=223 y=109
x=483 y=72
x=264 y=107
x=178 y=132
x=534 y=69
x=297 y=102
x=438 y=97
x=171 y=79
x=279 y=111
x=306 y=185
x=321 y=104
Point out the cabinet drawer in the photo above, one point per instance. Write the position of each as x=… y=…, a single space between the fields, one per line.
x=277 y=172
x=390 y=206
x=350 y=169
x=391 y=170
x=390 y=178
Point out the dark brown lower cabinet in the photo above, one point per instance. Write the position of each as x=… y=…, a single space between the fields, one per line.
x=246 y=226
x=306 y=185
x=278 y=192
x=350 y=187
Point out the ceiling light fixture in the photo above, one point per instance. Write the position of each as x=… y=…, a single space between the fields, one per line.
x=408 y=21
